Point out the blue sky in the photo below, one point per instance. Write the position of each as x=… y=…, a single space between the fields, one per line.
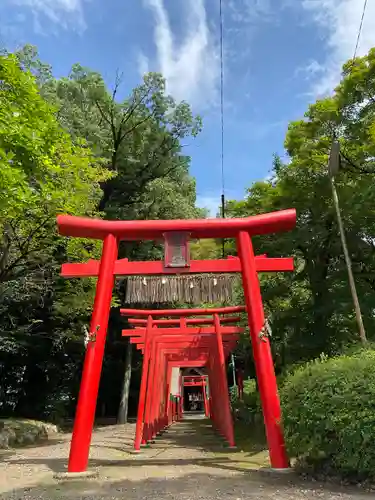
x=279 y=55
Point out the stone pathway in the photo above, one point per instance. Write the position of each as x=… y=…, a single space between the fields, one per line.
x=186 y=463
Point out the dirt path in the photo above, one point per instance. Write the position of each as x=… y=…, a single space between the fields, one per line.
x=186 y=463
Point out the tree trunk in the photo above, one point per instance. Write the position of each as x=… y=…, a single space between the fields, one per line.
x=122 y=416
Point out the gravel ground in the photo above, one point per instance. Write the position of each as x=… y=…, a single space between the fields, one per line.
x=184 y=464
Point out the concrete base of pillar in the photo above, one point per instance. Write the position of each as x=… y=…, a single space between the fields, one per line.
x=69 y=476
x=272 y=470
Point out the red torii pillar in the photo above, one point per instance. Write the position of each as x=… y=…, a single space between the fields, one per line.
x=264 y=367
x=111 y=232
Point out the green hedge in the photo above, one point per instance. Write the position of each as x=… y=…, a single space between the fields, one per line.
x=329 y=414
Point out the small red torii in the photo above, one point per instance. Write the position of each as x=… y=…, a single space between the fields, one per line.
x=189 y=343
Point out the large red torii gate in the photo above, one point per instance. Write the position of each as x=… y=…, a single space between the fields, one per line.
x=112 y=232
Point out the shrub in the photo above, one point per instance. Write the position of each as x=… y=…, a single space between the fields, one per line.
x=329 y=414
x=21 y=432
x=248 y=410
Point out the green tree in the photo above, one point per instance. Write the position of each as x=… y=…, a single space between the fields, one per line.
x=139 y=138
x=42 y=173
x=312 y=311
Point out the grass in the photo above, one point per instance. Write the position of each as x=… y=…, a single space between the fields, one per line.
x=251 y=448
x=252 y=451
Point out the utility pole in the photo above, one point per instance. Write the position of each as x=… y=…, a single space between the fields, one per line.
x=223 y=216
x=234 y=371
x=333 y=168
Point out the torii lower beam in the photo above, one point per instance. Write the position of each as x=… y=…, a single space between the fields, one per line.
x=229 y=345
x=192 y=379
x=197 y=363
x=194 y=384
x=189 y=343
x=123 y=267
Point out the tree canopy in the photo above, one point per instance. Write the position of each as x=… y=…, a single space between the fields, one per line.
x=312 y=310
x=69 y=145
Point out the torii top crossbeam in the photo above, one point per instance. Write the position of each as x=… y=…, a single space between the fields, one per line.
x=182 y=312
x=82 y=227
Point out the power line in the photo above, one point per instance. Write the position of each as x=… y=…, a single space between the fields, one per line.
x=348 y=160
x=222 y=120
x=222 y=98
x=360 y=29
x=359 y=34
x=351 y=68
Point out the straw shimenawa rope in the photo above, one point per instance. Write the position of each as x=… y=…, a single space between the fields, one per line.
x=192 y=289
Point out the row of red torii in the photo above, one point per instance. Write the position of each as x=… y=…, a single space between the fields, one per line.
x=166 y=346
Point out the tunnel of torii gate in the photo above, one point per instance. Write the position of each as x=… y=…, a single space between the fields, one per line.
x=208 y=346
x=176 y=235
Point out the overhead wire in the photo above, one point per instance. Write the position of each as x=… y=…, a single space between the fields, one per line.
x=357 y=41
x=360 y=30
x=222 y=95
x=343 y=155
x=222 y=116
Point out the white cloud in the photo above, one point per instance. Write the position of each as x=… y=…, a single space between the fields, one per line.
x=191 y=67
x=260 y=130
x=310 y=70
x=268 y=177
x=64 y=13
x=211 y=200
x=250 y=11
x=243 y=20
x=210 y=203
x=339 y=21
